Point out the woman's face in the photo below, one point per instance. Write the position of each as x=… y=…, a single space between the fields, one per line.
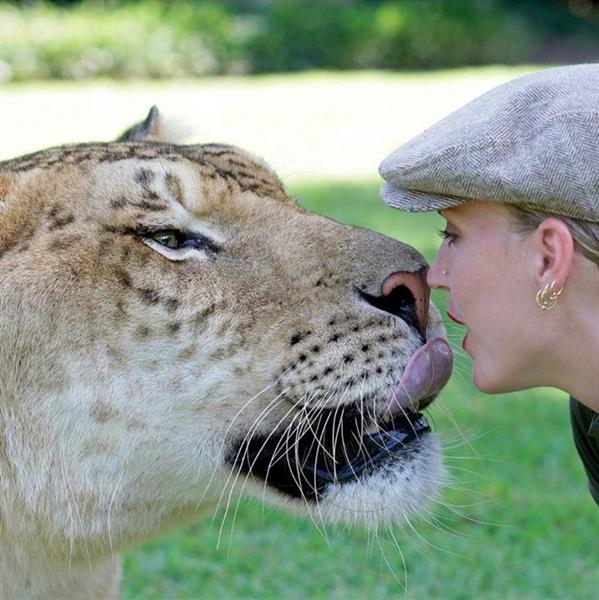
x=488 y=270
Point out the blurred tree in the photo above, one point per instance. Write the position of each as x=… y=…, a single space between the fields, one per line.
x=152 y=38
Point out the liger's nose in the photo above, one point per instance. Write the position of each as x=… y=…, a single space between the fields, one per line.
x=406 y=295
x=394 y=291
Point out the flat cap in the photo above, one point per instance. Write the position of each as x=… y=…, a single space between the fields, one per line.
x=532 y=142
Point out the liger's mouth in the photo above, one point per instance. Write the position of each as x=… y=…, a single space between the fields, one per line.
x=334 y=446
x=338 y=445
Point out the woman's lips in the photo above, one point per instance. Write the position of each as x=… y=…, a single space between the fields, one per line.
x=454 y=318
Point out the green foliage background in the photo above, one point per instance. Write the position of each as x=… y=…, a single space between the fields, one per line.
x=152 y=38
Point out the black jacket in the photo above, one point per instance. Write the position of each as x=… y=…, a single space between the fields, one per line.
x=585 y=426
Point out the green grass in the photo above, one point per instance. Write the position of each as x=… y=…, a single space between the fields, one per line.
x=516 y=521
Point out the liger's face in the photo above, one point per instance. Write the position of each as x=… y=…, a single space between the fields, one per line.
x=486 y=267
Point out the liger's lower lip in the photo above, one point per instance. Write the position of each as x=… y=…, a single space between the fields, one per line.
x=375 y=446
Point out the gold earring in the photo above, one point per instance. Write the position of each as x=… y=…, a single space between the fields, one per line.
x=548 y=295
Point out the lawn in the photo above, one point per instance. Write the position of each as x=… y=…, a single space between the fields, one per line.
x=516 y=521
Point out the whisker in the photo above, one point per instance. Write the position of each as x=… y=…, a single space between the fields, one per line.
x=224 y=441
x=242 y=447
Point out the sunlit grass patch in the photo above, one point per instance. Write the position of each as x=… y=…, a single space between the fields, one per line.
x=309 y=126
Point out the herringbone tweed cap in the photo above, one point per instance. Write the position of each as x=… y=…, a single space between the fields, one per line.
x=532 y=142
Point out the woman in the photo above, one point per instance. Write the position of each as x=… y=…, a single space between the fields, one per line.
x=515 y=173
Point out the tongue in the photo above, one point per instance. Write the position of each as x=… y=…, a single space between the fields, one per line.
x=425 y=375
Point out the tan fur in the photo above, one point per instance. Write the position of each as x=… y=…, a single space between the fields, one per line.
x=126 y=376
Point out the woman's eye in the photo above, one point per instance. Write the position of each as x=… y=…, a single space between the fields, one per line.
x=447 y=235
x=170 y=239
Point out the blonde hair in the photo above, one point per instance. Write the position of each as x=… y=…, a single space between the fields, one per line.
x=584 y=233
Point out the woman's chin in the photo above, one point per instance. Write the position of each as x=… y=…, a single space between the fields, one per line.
x=494 y=382
x=488 y=383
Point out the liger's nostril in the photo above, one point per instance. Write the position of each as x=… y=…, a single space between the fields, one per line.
x=399 y=302
x=405 y=295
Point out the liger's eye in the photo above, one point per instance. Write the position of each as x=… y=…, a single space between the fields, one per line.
x=177 y=240
x=170 y=239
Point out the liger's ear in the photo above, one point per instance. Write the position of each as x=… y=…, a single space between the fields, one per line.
x=154 y=128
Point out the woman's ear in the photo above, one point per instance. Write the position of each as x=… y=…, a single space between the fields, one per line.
x=555 y=252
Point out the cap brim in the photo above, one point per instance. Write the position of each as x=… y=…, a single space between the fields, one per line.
x=414 y=201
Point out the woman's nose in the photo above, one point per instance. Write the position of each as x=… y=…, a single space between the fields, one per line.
x=437 y=275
